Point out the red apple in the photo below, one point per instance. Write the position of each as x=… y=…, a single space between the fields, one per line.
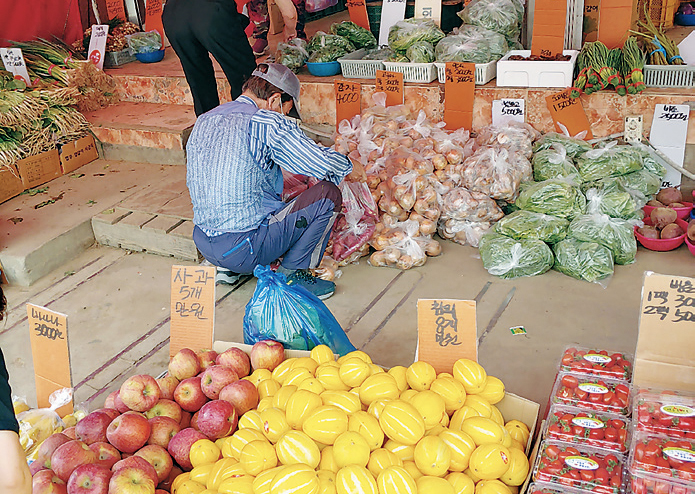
x=242 y=394
x=140 y=393
x=180 y=446
x=267 y=354
x=107 y=454
x=184 y=364
x=217 y=419
x=162 y=429
x=70 y=432
x=89 y=479
x=134 y=461
x=167 y=385
x=159 y=458
x=161 y=491
x=92 y=428
x=194 y=420
x=46 y=449
x=189 y=395
x=215 y=378
x=165 y=408
x=128 y=432
x=110 y=401
x=185 y=419
x=133 y=475
x=36 y=467
x=120 y=406
x=69 y=456
x=237 y=359
x=206 y=358
x=47 y=482
x=166 y=483
x=111 y=412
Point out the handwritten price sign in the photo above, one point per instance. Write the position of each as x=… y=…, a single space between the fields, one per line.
x=97 y=44
x=549 y=21
x=459 y=92
x=13 y=60
x=507 y=110
x=192 y=307
x=115 y=9
x=358 y=12
x=568 y=114
x=390 y=83
x=153 y=16
x=347 y=100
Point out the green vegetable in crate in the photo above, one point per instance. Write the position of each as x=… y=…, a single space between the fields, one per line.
x=552 y=163
x=398 y=57
x=378 y=54
x=322 y=40
x=464 y=48
x=535 y=226
x=327 y=54
x=502 y=16
x=420 y=52
x=574 y=147
x=588 y=261
x=613 y=202
x=497 y=43
x=610 y=160
x=358 y=36
x=404 y=33
x=642 y=181
x=508 y=258
x=557 y=197
x=293 y=55
x=614 y=233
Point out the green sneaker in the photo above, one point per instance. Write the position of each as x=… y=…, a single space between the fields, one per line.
x=320 y=288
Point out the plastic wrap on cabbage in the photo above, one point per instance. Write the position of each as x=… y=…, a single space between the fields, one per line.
x=327 y=54
x=613 y=202
x=502 y=16
x=497 y=42
x=608 y=161
x=552 y=163
x=358 y=36
x=649 y=160
x=534 y=226
x=458 y=48
x=420 y=52
x=378 y=54
x=292 y=55
x=557 y=197
x=508 y=258
x=614 y=233
x=588 y=261
x=404 y=33
x=321 y=40
x=642 y=181
x=574 y=147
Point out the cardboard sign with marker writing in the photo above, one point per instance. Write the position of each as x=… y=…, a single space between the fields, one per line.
x=429 y=9
x=459 y=92
x=664 y=354
x=153 y=16
x=13 y=60
x=549 y=20
x=390 y=83
x=392 y=11
x=97 y=44
x=347 y=100
x=447 y=331
x=669 y=134
x=358 y=12
x=48 y=334
x=115 y=9
x=568 y=113
x=192 y=307
x=615 y=19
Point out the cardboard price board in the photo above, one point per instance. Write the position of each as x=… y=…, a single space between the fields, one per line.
x=392 y=11
x=115 y=9
x=390 y=83
x=97 y=44
x=192 y=307
x=459 y=92
x=508 y=110
x=13 y=60
x=429 y=9
x=549 y=20
x=591 y=20
x=668 y=134
x=48 y=334
x=615 y=20
x=39 y=169
x=664 y=354
x=347 y=100
x=447 y=331
x=568 y=113
x=358 y=13
x=10 y=183
x=153 y=16
x=76 y=153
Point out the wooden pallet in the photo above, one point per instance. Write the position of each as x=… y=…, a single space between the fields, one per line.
x=146 y=232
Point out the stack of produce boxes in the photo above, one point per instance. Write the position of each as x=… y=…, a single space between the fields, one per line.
x=587 y=431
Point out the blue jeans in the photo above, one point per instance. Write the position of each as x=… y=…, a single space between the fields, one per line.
x=298 y=232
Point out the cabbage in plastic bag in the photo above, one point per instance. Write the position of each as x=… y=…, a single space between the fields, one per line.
x=536 y=226
x=608 y=161
x=614 y=202
x=420 y=52
x=378 y=54
x=497 y=43
x=574 y=147
x=508 y=258
x=552 y=162
x=616 y=234
x=292 y=55
x=321 y=40
x=460 y=48
x=588 y=261
x=502 y=16
x=144 y=42
x=327 y=54
x=358 y=36
x=642 y=181
x=556 y=197
x=404 y=33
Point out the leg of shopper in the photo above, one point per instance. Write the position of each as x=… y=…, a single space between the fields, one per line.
x=259 y=16
x=301 y=17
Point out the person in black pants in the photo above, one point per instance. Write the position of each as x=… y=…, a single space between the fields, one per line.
x=197 y=28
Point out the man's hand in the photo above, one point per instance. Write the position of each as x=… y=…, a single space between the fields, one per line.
x=357 y=174
x=14 y=472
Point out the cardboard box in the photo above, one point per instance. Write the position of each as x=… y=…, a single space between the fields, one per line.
x=39 y=169
x=10 y=183
x=77 y=153
x=277 y=23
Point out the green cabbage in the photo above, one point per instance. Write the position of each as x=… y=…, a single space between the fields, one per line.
x=420 y=52
x=574 y=147
x=404 y=33
x=642 y=181
x=616 y=203
x=536 y=226
x=552 y=163
x=358 y=36
x=556 y=197
x=609 y=161
x=616 y=234
x=508 y=258
x=588 y=261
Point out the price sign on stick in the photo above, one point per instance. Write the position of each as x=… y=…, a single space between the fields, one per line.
x=429 y=9
x=13 y=60
x=153 y=16
x=115 y=9
x=549 y=20
x=192 y=307
x=447 y=331
x=48 y=334
x=459 y=92
x=568 y=113
x=347 y=100
x=97 y=44
x=392 y=11
x=390 y=83
x=358 y=12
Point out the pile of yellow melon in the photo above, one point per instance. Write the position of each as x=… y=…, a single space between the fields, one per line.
x=348 y=427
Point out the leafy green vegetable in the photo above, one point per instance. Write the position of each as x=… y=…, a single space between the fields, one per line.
x=502 y=16
x=642 y=181
x=616 y=234
x=464 y=48
x=614 y=202
x=321 y=40
x=497 y=42
x=404 y=33
x=292 y=55
x=536 y=226
x=608 y=161
x=398 y=57
x=378 y=54
x=327 y=54
x=420 y=52
x=556 y=197
x=574 y=147
x=508 y=258
x=144 y=42
x=358 y=36
x=552 y=163
x=588 y=261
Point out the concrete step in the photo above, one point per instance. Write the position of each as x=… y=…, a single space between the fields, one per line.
x=143 y=132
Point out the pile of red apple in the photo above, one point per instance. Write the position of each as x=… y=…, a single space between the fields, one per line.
x=141 y=440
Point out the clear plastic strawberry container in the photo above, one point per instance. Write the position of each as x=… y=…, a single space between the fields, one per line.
x=545 y=488
x=597 y=362
x=664 y=413
x=579 y=467
x=641 y=483
x=663 y=458
x=602 y=430
x=592 y=393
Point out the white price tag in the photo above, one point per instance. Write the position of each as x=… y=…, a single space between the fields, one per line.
x=13 y=60
x=668 y=135
x=508 y=110
x=429 y=9
x=392 y=11
x=97 y=44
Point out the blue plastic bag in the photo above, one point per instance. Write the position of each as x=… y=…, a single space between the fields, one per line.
x=291 y=315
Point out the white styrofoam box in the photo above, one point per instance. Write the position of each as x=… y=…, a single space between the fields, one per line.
x=484 y=72
x=524 y=73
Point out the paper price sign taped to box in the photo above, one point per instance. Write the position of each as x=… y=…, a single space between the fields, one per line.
x=508 y=110
x=568 y=114
x=153 y=16
x=447 y=331
x=192 y=307
x=347 y=100
x=549 y=20
x=115 y=9
x=358 y=13
x=459 y=92
x=13 y=60
x=48 y=334
x=390 y=83
x=97 y=44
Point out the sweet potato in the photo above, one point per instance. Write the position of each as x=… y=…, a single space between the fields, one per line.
x=663 y=216
x=672 y=231
x=669 y=195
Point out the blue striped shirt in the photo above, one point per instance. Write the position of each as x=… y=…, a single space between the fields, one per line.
x=234 y=158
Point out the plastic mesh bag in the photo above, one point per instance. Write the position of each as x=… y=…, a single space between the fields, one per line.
x=557 y=197
x=614 y=233
x=552 y=162
x=508 y=258
x=536 y=226
x=588 y=261
x=420 y=52
x=355 y=226
x=358 y=36
x=608 y=161
x=574 y=147
x=404 y=33
x=36 y=425
x=291 y=315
